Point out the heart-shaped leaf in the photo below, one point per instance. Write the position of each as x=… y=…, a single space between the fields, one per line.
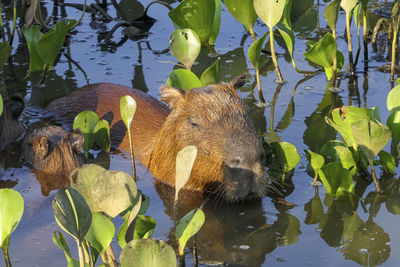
x=86 y=121
x=144 y=227
x=185 y=46
x=210 y=75
x=270 y=11
x=286 y=154
x=243 y=11
x=331 y=14
x=183 y=79
x=337 y=180
x=188 y=226
x=255 y=51
x=102 y=135
x=184 y=164
x=323 y=52
x=101 y=232
x=11 y=210
x=149 y=253
x=393 y=99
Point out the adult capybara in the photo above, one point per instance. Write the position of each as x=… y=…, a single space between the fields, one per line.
x=10 y=126
x=213 y=118
x=51 y=150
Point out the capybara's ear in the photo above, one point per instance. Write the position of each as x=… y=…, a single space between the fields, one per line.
x=172 y=96
x=40 y=146
x=15 y=106
x=76 y=138
x=239 y=81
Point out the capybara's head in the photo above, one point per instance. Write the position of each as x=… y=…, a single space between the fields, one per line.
x=230 y=156
x=52 y=150
x=10 y=126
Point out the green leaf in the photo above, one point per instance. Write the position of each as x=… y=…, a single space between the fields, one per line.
x=286 y=155
x=102 y=135
x=32 y=36
x=59 y=240
x=198 y=15
x=210 y=75
x=185 y=46
x=183 y=79
x=387 y=161
x=316 y=160
x=337 y=180
x=394 y=124
x=348 y=5
x=331 y=14
x=72 y=213
x=188 y=226
x=86 y=121
x=255 y=51
x=243 y=11
x=110 y=192
x=5 y=50
x=323 y=52
x=370 y=136
x=11 y=210
x=127 y=106
x=1 y=105
x=51 y=42
x=184 y=164
x=269 y=11
x=149 y=253
x=101 y=232
x=393 y=99
x=121 y=234
x=339 y=65
x=144 y=227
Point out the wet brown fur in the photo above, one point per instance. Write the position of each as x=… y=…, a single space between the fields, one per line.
x=10 y=126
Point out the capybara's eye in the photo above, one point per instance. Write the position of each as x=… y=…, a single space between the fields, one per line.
x=194 y=123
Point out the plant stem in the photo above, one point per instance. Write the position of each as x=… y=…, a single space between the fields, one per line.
x=86 y=253
x=260 y=94
x=376 y=182
x=273 y=55
x=392 y=64
x=253 y=35
x=80 y=252
x=111 y=257
x=14 y=22
x=132 y=156
x=348 y=17
x=365 y=40
x=7 y=257
x=315 y=177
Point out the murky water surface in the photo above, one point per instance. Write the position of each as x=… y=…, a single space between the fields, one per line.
x=316 y=232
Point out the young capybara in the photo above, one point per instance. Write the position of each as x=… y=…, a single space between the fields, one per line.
x=10 y=126
x=51 y=150
x=213 y=118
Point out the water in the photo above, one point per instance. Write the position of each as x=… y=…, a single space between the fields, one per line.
x=315 y=232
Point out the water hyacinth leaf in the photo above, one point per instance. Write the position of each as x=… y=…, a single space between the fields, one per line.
x=337 y=180
x=323 y=52
x=316 y=160
x=127 y=107
x=86 y=121
x=184 y=164
x=346 y=158
x=269 y=11
x=387 y=161
x=216 y=23
x=1 y=105
x=339 y=66
x=393 y=99
x=5 y=50
x=32 y=36
x=185 y=46
x=255 y=51
x=331 y=14
x=370 y=136
x=394 y=124
x=110 y=192
x=144 y=227
x=348 y=5
x=72 y=213
x=286 y=155
x=101 y=232
x=210 y=75
x=183 y=79
x=197 y=15
x=11 y=210
x=149 y=253
x=188 y=226
x=51 y=42
x=243 y=11
x=59 y=240
x=102 y=135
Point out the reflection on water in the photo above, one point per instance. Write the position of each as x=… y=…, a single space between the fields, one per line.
x=362 y=231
